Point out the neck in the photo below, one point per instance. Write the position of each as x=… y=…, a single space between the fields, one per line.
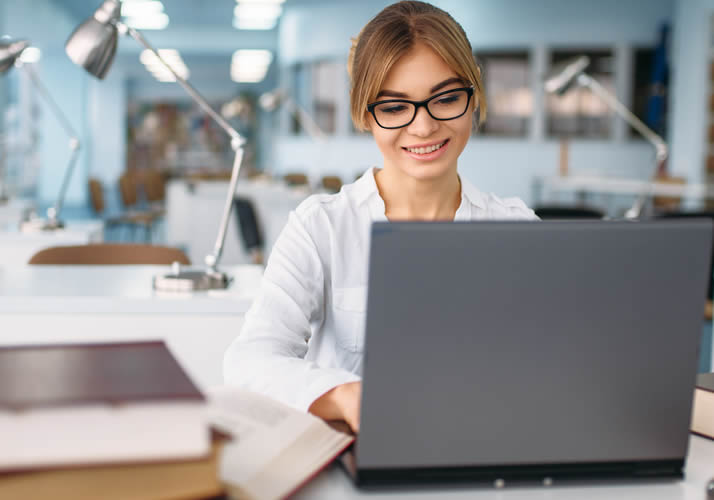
x=407 y=198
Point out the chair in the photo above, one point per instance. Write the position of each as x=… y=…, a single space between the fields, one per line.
x=331 y=183
x=109 y=254
x=295 y=179
x=249 y=228
x=567 y=212
x=130 y=220
x=129 y=187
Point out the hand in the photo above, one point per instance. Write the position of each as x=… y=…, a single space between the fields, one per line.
x=340 y=403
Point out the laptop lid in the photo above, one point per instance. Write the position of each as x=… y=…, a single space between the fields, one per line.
x=531 y=349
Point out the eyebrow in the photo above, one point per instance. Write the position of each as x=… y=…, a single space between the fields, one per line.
x=402 y=95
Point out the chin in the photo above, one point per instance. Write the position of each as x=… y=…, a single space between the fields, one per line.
x=425 y=172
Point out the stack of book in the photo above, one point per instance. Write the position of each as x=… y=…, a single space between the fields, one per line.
x=118 y=420
x=123 y=420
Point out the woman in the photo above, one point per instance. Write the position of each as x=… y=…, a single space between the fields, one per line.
x=416 y=87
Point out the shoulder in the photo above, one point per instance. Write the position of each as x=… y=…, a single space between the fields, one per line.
x=490 y=206
x=335 y=206
x=508 y=208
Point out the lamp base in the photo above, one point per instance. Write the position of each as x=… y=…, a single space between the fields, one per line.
x=39 y=225
x=191 y=280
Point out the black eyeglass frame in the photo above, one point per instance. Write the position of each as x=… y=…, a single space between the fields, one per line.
x=424 y=104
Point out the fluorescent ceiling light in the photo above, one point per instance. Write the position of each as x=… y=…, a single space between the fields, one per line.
x=254 y=24
x=256 y=15
x=141 y=8
x=149 y=22
x=250 y=65
x=144 y=14
x=160 y=72
x=30 y=55
x=257 y=10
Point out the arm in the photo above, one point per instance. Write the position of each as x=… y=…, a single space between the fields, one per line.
x=268 y=355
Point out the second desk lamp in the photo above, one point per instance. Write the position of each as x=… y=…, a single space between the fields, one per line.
x=572 y=73
x=93 y=45
x=10 y=53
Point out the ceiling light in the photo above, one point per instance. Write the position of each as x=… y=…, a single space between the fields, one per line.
x=250 y=65
x=160 y=72
x=30 y=55
x=256 y=15
x=141 y=8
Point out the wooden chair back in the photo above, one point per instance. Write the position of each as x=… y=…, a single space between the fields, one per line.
x=96 y=195
x=332 y=183
x=109 y=254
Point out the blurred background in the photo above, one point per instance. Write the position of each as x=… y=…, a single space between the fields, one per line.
x=277 y=72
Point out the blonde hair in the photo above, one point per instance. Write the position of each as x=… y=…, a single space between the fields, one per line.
x=390 y=35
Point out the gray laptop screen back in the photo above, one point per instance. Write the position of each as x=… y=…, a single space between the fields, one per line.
x=491 y=343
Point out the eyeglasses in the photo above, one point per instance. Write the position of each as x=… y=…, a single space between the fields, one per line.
x=398 y=113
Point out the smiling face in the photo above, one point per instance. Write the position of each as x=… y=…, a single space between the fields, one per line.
x=426 y=149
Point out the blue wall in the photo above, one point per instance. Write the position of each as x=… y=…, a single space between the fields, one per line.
x=47 y=27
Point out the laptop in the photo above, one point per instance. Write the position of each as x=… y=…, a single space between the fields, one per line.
x=500 y=351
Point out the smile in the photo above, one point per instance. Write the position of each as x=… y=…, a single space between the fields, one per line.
x=427 y=149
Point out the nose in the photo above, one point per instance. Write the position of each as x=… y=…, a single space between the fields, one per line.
x=423 y=125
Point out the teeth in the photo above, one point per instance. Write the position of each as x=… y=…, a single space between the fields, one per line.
x=428 y=149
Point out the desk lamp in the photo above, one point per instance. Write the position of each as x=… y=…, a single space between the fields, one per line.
x=10 y=56
x=572 y=73
x=270 y=101
x=93 y=46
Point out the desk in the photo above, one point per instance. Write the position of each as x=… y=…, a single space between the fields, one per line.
x=614 y=185
x=333 y=484
x=44 y=304
x=16 y=248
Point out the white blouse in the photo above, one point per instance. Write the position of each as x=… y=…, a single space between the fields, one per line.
x=304 y=334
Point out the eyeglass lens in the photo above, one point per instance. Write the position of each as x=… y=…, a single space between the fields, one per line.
x=444 y=107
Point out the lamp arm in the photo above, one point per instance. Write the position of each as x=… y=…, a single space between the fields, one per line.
x=53 y=212
x=307 y=121
x=661 y=149
x=136 y=35
x=237 y=144
x=213 y=258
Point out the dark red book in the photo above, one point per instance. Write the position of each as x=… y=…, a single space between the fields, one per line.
x=85 y=404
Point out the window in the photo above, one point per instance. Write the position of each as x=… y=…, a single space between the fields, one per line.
x=299 y=87
x=325 y=90
x=649 y=98
x=579 y=112
x=506 y=79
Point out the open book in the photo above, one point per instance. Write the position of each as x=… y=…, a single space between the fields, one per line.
x=703 y=409
x=275 y=449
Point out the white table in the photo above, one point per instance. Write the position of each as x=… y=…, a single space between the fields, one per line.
x=193 y=213
x=334 y=484
x=45 y=304
x=16 y=248
x=624 y=186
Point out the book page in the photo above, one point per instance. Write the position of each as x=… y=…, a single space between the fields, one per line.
x=261 y=428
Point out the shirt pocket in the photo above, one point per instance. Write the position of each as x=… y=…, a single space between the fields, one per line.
x=350 y=310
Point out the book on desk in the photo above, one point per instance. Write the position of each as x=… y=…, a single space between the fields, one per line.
x=703 y=408
x=123 y=420
x=76 y=404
